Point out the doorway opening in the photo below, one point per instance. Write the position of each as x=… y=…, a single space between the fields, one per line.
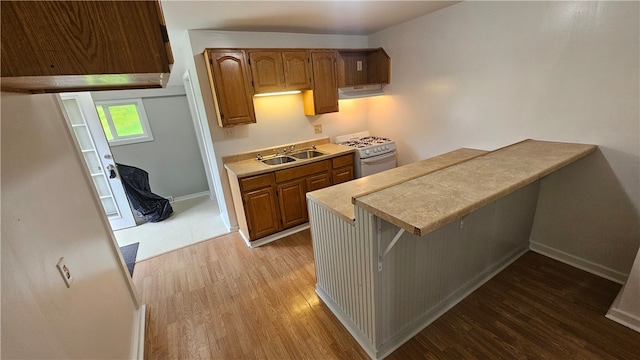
x=196 y=215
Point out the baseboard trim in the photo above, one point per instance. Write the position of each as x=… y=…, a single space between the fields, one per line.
x=448 y=303
x=351 y=327
x=137 y=350
x=624 y=318
x=191 y=196
x=578 y=262
x=274 y=237
x=425 y=319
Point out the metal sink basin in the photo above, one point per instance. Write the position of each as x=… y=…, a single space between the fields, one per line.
x=277 y=160
x=307 y=154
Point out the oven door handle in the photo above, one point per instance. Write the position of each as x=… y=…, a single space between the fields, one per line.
x=377 y=159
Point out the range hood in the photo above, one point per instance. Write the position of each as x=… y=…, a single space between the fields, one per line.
x=360 y=91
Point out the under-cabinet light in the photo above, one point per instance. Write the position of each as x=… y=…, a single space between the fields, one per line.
x=279 y=93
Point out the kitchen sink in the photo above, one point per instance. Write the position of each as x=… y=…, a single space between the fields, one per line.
x=277 y=160
x=307 y=154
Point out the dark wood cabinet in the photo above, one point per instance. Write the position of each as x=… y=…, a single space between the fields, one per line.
x=57 y=46
x=362 y=67
x=237 y=74
x=342 y=169
x=277 y=200
x=231 y=86
x=267 y=71
x=294 y=183
x=293 y=206
x=280 y=70
x=260 y=205
x=324 y=96
x=297 y=69
x=318 y=181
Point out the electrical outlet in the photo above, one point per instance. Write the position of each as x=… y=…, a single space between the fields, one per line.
x=65 y=272
x=318 y=129
x=228 y=132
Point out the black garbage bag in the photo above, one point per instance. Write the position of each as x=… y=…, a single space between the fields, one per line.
x=148 y=205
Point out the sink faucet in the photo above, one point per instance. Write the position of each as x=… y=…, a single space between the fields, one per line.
x=288 y=150
x=259 y=156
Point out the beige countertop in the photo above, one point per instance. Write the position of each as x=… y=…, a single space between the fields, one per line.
x=338 y=198
x=243 y=165
x=428 y=202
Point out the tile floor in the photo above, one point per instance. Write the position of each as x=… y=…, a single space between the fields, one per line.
x=193 y=220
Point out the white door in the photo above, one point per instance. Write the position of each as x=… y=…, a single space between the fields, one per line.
x=85 y=126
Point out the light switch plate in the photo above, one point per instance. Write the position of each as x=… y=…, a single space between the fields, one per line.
x=318 y=129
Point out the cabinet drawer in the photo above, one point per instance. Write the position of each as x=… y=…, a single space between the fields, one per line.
x=341 y=161
x=318 y=181
x=304 y=170
x=342 y=174
x=256 y=182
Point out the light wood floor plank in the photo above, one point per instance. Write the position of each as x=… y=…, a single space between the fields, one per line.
x=221 y=300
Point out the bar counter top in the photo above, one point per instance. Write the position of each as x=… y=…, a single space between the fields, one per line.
x=425 y=203
x=339 y=198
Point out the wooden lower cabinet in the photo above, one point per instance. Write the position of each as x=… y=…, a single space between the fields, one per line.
x=342 y=169
x=260 y=205
x=318 y=181
x=276 y=201
x=293 y=204
x=342 y=174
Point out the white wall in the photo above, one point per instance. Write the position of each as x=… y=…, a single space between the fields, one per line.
x=173 y=158
x=49 y=210
x=487 y=74
x=280 y=120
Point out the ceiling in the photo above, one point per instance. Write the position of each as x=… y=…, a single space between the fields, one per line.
x=316 y=17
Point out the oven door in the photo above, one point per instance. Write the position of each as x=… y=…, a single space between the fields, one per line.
x=376 y=164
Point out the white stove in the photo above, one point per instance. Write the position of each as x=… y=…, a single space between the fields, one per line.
x=374 y=153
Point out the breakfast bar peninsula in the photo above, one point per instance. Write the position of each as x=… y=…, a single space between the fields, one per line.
x=395 y=250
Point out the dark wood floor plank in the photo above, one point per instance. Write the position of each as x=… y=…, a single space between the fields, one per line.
x=221 y=300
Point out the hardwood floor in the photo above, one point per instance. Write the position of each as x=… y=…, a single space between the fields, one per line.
x=221 y=300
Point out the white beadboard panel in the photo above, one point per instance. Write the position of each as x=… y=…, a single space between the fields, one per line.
x=421 y=277
x=343 y=269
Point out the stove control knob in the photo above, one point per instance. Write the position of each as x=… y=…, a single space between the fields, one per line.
x=386 y=147
x=366 y=152
x=375 y=150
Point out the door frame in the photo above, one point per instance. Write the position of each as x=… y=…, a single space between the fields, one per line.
x=101 y=146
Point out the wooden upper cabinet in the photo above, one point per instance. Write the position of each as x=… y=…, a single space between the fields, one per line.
x=56 y=46
x=297 y=69
x=324 y=97
x=231 y=86
x=267 y=71
x=280 y=70
x=363 y=66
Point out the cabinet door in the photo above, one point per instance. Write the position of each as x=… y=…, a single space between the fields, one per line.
x=267 y=71
x=83 y=46
x=231 y=86
x=324 y=97
x=297 y=70
x=318 y=181
x=293 y=206
x=261 y=210
x=342 y=174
